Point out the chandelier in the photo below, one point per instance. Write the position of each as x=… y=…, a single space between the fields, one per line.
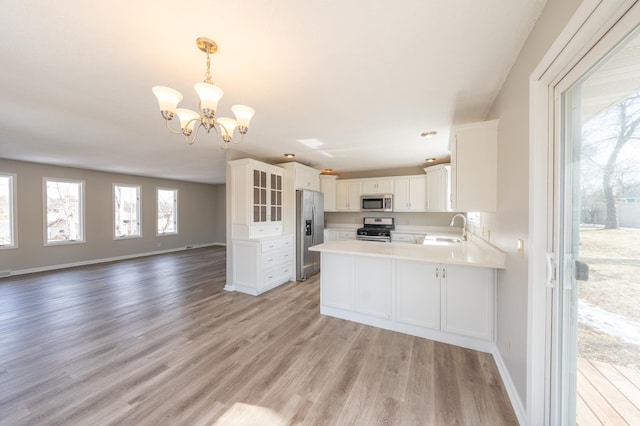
x=209 y=94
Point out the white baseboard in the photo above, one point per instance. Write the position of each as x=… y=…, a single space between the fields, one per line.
x=105 y=260
x=516 y=402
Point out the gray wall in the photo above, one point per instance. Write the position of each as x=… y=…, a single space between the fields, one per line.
x=512 y=220
x=201 y=217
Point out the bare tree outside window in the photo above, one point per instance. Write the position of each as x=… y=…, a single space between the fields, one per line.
x=64 y=211
x=167 y=211
x=126 y=200
x=610 y=174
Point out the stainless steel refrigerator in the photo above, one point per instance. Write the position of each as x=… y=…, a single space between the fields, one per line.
x=309 y=231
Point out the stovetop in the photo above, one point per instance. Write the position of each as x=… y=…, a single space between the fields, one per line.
x=376 y=227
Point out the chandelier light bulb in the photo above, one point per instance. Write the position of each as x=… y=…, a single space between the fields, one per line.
x=188 y=119
x=243 y=114
x=209 y=96
x=168 y=100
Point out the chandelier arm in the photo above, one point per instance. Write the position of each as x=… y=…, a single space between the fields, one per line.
x=195 y=134
x=175 y=132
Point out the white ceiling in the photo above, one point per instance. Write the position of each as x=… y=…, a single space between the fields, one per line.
x=364 y=78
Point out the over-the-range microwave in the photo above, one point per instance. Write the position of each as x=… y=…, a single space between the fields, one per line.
x=376 y=203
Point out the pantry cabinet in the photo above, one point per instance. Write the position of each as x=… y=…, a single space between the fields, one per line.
x=474 y=165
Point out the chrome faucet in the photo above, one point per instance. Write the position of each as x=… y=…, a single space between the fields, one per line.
x=464 y=224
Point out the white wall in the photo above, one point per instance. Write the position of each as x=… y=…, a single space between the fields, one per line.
x=511 y=222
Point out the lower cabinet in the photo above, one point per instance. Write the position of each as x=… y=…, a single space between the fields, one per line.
x=450 y=303
x=262 y=264
x=468 y=301
x=418 y=294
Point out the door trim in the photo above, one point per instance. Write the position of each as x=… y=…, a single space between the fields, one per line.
x=596 y=26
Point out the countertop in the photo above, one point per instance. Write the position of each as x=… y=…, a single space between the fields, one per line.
x=469 y=253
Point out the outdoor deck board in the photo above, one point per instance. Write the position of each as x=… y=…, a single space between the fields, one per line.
x=607 y=393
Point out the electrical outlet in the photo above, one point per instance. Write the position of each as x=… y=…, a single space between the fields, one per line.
x=507 y=346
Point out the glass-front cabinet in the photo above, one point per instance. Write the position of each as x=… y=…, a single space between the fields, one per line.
x=256 y=198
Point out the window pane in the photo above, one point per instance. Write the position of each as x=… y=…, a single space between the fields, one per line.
x=167 y=211
x=6 y=211
x=64 y=211
x=126 y=201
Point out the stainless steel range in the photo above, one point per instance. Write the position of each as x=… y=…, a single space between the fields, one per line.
x=376 y=229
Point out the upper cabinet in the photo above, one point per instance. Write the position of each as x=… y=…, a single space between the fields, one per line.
x=474 y=165
x=348 y=195
x=328 y=188
x=439 y=188
x=377 y=186
x=409 y=193
x=256 y=199
x=302 y=176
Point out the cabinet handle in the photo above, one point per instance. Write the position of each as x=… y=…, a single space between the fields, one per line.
x=437 y=272
x=444 y=272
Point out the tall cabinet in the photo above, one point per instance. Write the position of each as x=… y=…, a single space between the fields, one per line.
x=262 y=254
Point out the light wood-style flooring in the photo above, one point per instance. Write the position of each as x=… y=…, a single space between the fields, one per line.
x=157 y=341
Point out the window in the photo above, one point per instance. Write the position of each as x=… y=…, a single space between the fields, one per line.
x=7 y=215
x=167 y=211
x=126 y=213
x=64 y=205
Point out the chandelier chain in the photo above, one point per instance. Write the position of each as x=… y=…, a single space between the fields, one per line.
x=207 y=75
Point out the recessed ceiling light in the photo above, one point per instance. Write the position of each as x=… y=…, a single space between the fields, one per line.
x=327 y=170
x=430 y=160
x=289 y=155
x=429 y=134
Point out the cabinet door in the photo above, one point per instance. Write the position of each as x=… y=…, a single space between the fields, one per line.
x=468 y=297
x=373 y=286
x=336 y=289
x=328 y=188
x=474 y=162
x=409 y=193
x=438 y=188
x=418 y=293
x=259 y=196
x=417 y=193
x=275 y=203
x=348 y=196
x=377 y=186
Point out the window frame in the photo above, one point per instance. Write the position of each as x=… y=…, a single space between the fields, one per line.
x=81 y=211
x=175 y=211
x=138 y=210
x=13 y=217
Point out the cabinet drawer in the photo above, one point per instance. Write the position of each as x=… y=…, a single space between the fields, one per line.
x=273 y=258
x=402 y=238
x=278 y=275
x=346 y=235
x=276 y=244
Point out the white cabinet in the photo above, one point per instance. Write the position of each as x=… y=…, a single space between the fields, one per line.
x=348 y=195
x=256 y=198
x=337 y=278
x=262 y=264
x=474 y=165
x=409 y=193
x=377 y=186
x=418 y=294
x=301 y=176
x=468 y=301
x=373 y=286
x=328 y=188
x=340 y=235
x=439 y=188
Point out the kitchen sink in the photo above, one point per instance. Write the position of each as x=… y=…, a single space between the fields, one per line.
x=441 y=240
